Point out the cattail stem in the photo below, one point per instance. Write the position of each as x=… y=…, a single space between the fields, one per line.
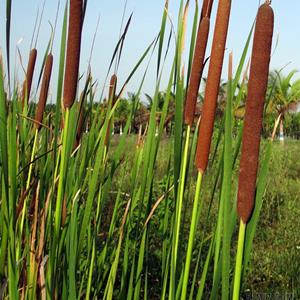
x=175 y=239
x=212 y=86
x=195 y=212
x=73 y=52
x=239 y=261
x=33 y=151
x=62 y=173
x=257 y=87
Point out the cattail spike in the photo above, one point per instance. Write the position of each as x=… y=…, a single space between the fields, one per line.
x=29 y=75
x=111 y=97
x=206 y=8
x=44 y=91
x=73 y=52
x=212 y=85
x=112 y=88
x=196 y=71
x=257 y=87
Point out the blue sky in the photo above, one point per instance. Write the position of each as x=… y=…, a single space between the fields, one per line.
x=144 y=27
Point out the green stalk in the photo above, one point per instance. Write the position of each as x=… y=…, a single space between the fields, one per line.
x=239 y=261
x=28 y=180
x=89 y=283
x=62 y=172
x=226 y=187
x=178 y=216
x=57 y=215
x=191 y=236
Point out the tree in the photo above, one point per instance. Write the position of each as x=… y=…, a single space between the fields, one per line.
x=283 y=93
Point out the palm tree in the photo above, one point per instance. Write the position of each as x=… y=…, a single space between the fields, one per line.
x=284 y=92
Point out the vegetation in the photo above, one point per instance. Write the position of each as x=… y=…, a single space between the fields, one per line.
x=88 y=214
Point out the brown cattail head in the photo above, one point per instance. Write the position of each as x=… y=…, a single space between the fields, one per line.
x=112 y=88
x=111 y=97
x=206 y=8
x=257 y=87
x=29 y=75
x=212 y=85
x=73 y=52
x=196 y=71
x=44 y=91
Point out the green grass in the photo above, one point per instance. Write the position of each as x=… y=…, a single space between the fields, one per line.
x=276 y=252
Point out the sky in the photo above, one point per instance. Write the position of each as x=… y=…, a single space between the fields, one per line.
x=144 y=27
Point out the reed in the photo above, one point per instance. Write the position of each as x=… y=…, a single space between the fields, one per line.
x=68 y=135
x=189 y=114
x=212 y=85
x=112 y=99
x=44 y=91
x=112 y=88
x=73 y=52
x=38 y=122
x=29 y=75
x=206 y=8
x=197 y=70
x=257 y=87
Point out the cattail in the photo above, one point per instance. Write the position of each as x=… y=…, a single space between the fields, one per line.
x=111 y=97
x=196 y=72
x=73 y=52
x=212 y=85
x=29 y=75
x=112 y=88
x=257 y=87
x=206 y=8
x=44 y=91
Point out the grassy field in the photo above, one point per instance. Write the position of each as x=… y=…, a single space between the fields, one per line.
x=275 y=265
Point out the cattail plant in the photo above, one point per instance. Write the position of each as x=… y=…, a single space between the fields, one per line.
x=44 y=91
x=112 y=98
x=69 y=94
x=38 y=122
x=189 y=114
x=197 y=69
x=257 y=87
x=29 y=75
x=212 y=85
x=198 y=62
x=206 y=8
x=208 y=112
x=73 y=52
x=112 y=89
